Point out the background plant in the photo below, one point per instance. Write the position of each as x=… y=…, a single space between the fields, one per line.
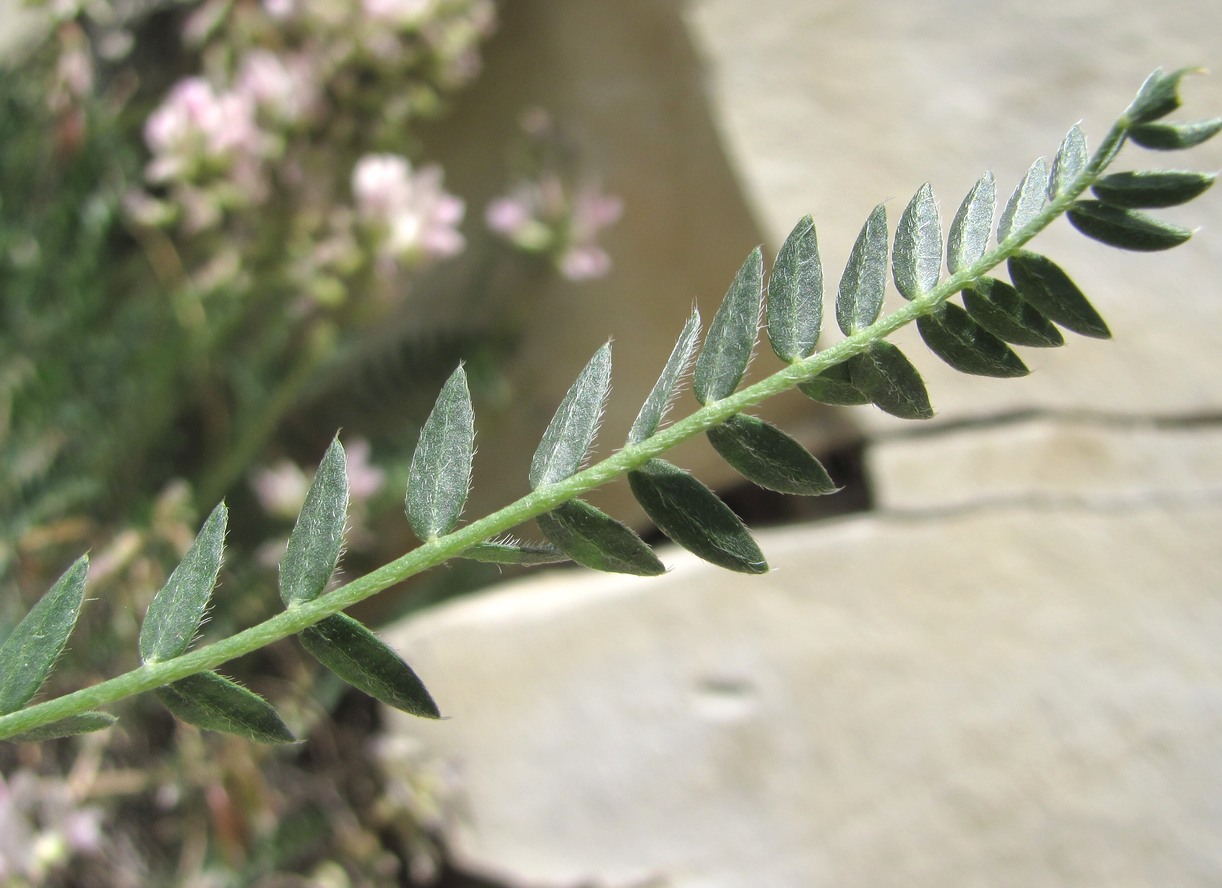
x=207 y=210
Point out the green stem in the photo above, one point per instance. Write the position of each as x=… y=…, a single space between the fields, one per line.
x=544 y=499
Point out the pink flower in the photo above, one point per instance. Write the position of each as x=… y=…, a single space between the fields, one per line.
x=279 y=10
x=400 y=13
x=592 y=212
x=412 y=214
x=584 y=263
x=281 y=489
x=195 y=127
x=381 y=185
x=282 y=88
x=539 y=217
x=507 y=216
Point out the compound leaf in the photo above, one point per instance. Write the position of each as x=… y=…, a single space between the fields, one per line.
x=351 y=651
x=1026 y=201
x=314 y=545
x=795 y=294
x=727 y=348
x=440 y=473
x=1071 y=159
x=967 y=346
x=33 y=647
x=1175 y=136
x=1052 y=293
x=1152 y=188
x=835 y=386
x=174 y=614
x=664 y=390
x=762 y=453
x=996 y=306
x=215 y=703
x=917 y=256
x=569 y=435
x=1126 y=229
x=969 y=232
x=84 y=723
x=502 y=552
x=891 y=382
x=595 y=539
x=862 y=286
x=695 y=517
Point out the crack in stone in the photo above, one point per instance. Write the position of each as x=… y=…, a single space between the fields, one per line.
x=1120 y=505
x=1097 y=418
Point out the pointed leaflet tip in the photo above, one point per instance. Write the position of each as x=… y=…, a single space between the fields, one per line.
x=766 y=456
x=958 y=340
x=891 y=383
x=214 y=703
x=996 y=306
x=175 y=613
x=917 y=256
x=1026 y=201
x=314 y=545
x=363 y=660
x=571 y=432
x=1158 y=96
x=731 y=338
x=1046 y=287
x=1070 y=161
x=33 y=647
x=969 y=232
x=1175 y=136
x=795 y=294
x=667 y=386
x=1153 y=99
x=860 y=297
x=440 y=473
x=695 y=517
x=1152 y=189
x=596 y=540
x=1126 y=229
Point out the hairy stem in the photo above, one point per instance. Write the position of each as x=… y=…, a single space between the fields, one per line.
x=546 y=498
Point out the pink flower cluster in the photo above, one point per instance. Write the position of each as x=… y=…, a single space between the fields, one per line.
x=214 y=148
x=197 y=131
x=407 y=212
x=541 y=217
x=297 y=92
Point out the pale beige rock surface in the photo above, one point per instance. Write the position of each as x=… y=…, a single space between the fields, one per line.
x=1010 y=674
x=1096 y=460
x=1001 y=698
x=830 y=108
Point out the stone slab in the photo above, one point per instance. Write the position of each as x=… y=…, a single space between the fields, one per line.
x=1093 y=460
x=828 y=108
x=1006 y=697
